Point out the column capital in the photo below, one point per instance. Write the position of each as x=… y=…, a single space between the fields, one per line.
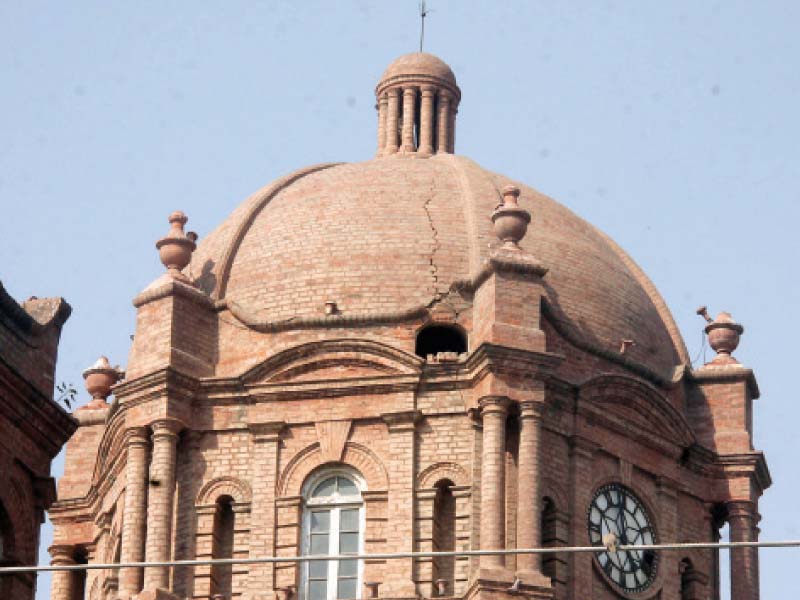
x=135 y=436
x=267 y=432
x=393 y=93
x=62 y=554
x=383 y=99
x=445 y=96
x=409 y=89
x=167 y=427
x=428 y=90
x=531 y=409
x=494 y=404
x=738 y=509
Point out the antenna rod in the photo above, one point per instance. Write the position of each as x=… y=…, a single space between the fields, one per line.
x=422 y=14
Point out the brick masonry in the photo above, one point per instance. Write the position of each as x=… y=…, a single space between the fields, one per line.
x=33 y=429
x=288 y=346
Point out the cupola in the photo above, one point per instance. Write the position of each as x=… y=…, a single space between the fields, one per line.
x=417 y=101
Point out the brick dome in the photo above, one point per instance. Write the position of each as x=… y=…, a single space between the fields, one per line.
x=419 y=64
x=392 y=234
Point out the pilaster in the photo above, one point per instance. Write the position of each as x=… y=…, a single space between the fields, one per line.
x=400 y=532
x=266 y=447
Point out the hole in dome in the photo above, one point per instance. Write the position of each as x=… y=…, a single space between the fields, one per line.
x=440 y=338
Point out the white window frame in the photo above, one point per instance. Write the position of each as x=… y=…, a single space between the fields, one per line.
x=335 y=505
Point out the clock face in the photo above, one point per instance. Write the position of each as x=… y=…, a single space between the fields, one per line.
x=614 y=509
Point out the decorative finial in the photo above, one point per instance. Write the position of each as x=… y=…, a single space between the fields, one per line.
x=723 y=336
x=510 y=220
x=175 y=249
x=98 y=380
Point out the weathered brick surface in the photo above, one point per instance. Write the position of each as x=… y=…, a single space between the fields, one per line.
x=501 y=447
x=32 y=429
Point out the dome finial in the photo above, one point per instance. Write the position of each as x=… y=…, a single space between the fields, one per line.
x=98 y=380
x=723 y=336
x=175 y=249
x=510 y=219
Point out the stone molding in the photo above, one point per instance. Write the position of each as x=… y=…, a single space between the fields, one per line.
x=428 y=477
x=357 y=456
x=234 y=487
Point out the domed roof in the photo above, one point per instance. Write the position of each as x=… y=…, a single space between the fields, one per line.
x=392 y=234
x=418 y=64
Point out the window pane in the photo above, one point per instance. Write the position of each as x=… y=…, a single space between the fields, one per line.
x=348 y=542
x=321 y=521
x=347 y=487
x=349 y=520
x=318 y=569
x=319 y=543
x=317 y=590
x=325 y=488
x=346 y=589
x=348 y=568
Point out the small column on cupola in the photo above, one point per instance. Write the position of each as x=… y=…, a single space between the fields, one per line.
x=720 y=410
x=417 y=100
x=175 y=321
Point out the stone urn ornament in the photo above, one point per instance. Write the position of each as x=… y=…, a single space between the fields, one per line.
x=723 y=335
x=175 y=249
x=98 y=380
x=510 y=219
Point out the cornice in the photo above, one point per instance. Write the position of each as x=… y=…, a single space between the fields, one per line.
x=166 y=286
x=731 y=373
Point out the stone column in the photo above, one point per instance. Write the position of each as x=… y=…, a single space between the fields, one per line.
x=62 y=586
x=409 y=116
x=266 y=448
x=392 y=111
x=382 y=104
x=744 y=561
x=426 y=120
x=494 y=411
x=451 y=127
x=160 y=502
x=443 y=134
x=133 y=525
x=400 y=526
x=529 y=510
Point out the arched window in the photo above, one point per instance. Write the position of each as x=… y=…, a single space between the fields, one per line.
x=333 y=524
x=444 y=535
x=222 y=546
x=440 y=338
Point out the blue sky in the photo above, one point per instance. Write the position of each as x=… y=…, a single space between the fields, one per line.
x=673 y=126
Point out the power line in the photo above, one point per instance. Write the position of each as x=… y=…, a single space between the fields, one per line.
x=401 y=555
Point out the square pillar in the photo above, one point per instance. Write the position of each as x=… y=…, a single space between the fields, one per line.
x=266 y=448
x=400 y=533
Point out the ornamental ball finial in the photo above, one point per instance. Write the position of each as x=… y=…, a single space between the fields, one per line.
x=723 y=336
x=175 y=249
x=98 y=380
x=510 y=220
